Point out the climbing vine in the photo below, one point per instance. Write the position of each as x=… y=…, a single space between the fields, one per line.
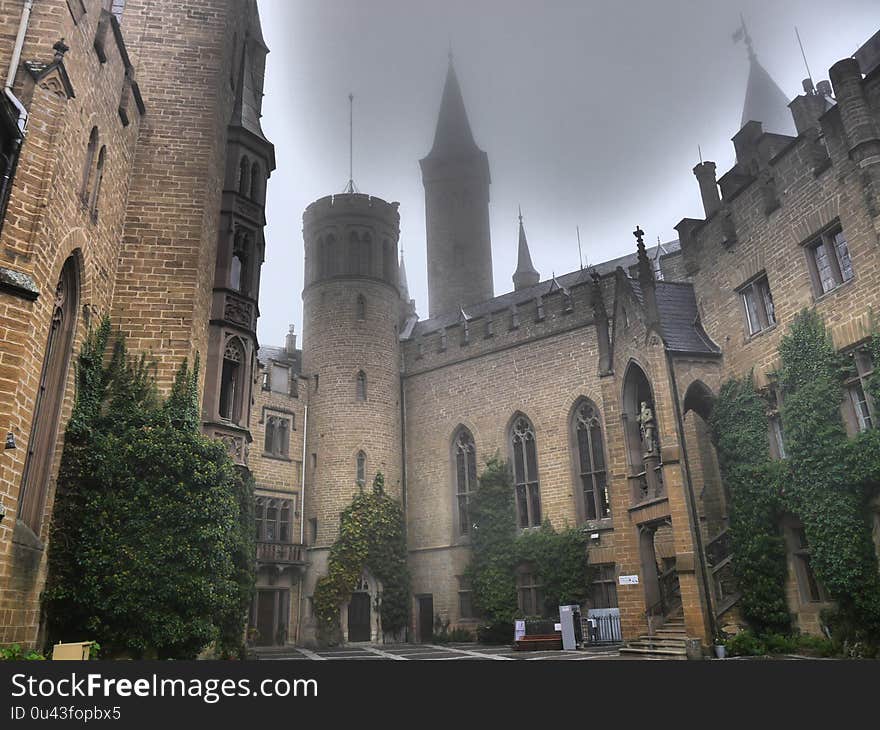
x=829 y=498
x=371 y=535
x=739 y=426
x=825 y=481
x=497 y=549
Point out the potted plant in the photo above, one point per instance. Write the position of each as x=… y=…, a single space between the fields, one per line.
x=719 y=646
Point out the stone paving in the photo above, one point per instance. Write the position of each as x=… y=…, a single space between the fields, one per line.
x=446 y=652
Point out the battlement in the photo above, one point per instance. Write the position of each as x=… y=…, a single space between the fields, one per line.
x=351 y=204
x=501 y=323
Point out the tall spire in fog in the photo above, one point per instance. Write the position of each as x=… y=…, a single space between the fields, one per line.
x=765 y=102
x=526 y=274
x=453 y=136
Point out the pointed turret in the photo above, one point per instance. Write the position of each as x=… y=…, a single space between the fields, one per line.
x=453 y=136
x=526 y=275
x=765 y=102
x=455 y=174
x=404 y=287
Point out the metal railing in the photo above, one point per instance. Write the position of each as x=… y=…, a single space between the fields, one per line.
x=602 y=626
x=279 y=553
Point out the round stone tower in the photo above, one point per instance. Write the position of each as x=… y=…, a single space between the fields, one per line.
x=351 y=310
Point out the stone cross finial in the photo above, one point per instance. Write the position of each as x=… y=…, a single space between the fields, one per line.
x=639 y=234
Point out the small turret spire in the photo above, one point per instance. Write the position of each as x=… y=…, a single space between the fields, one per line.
x=526 y=275
x=404 y=288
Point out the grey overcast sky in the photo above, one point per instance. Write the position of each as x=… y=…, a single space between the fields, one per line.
x=590 y=112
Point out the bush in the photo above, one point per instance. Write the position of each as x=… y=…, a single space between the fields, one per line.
x=500 y=632
x=745 y=643
x=150 y=523
x=14 y=653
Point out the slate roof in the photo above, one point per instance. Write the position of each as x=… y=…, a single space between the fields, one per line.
x=279 y=354
x=505 y=301
x=679 y=317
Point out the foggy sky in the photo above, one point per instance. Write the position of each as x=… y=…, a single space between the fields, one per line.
x=590 y=114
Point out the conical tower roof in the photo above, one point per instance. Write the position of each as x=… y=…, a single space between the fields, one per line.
x=765 y=102
x=404 y=287
x=453 y=136
x=526 y=274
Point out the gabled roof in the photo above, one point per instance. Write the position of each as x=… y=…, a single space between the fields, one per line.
x=271 y=353
x=679 y=317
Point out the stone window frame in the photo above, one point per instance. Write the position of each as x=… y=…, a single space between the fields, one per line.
x=463 y=459
x=598 y=478
x=810 y=590
x=287 y=376
x=604 y=580
x=232 y=376
x=756 y=298
x=859 y=409
x=465 y=599
x=526 y=475
x=360 y=469
x=360 y=391
x=529 y=591
x=775 y=432
x=100 y=168
x=836 y=270
x=88 y=165
x=276 y=436
x=262 y=505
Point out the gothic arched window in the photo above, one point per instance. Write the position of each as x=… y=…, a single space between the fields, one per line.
x=87 y=167
x=361 y=468
x=525 y=473
x=239 y=274
x=361 y=391
x=244 y=176
x=587 y=432
x=232 y=380
x=256 y=183
x=44 y=426
x=99 y=178
x=277 y=442
x=465 y=455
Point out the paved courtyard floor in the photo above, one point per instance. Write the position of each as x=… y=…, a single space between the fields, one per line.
x=435 y=652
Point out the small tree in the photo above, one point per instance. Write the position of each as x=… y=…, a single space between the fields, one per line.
x=150 y=524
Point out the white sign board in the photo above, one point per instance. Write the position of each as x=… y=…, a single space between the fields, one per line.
x=629 y=580
x=519 y=629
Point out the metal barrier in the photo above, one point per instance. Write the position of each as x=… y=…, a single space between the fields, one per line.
x=607 y=626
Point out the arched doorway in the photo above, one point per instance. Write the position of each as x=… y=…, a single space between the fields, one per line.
x=661 y=586
x=359 y=612
x=642 y=443
x=50 y=396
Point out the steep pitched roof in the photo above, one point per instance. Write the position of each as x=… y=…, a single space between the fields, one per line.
x=526 y=274
x=453 y=136
x=765 y=102
x=271 y=353
x=679 y=317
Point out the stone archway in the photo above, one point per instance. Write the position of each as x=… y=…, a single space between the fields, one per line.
x=639 y=415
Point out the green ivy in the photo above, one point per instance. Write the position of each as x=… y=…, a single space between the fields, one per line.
x=740 y=432
x=823 y=489
x=498 y=548
x=149 y=549
x=372 y=535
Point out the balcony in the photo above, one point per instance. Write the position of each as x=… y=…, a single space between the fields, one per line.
x=280 y=553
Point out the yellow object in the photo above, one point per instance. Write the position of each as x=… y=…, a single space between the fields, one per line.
x=77 y=650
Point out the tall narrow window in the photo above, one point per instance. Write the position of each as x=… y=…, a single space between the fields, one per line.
x=361 y=389
x=239 y=273
x=591 y=460
x=361 y=308
x=353 y=254
x=256 y=183
x=44 y=426
x=859 y=408
x=366 y=265
x=91 y=151
x=99 y=178
x=361 y=468
x=389 y=258
x=530 y=593
x=244 y=176
x=525 y=473
x=330 y=268
x=465 y=477
x=603 y=589
x=231 y=380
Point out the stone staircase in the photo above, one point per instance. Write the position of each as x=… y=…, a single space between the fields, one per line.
x=668 y=642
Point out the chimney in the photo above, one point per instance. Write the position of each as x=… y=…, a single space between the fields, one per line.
x=857 y=118
x=705 y=174
x=290 y=342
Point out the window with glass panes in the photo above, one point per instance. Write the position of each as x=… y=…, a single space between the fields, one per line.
x=591 y=461
x=758 y=305
x=860 y=404
x=465 y=477
x=830 y=262
x=603 y=589
x=273 y=519
x=525 y=473
x=465 y=598
x=530 y=593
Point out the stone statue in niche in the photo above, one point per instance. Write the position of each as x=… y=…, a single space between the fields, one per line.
x=648 y=429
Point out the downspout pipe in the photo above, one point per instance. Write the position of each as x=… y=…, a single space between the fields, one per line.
x=691 y=498
x=302 y=516
x=13 y=66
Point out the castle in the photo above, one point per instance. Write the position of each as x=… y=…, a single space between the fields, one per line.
x=134 y=179
x=135 y=171
x=596 y=385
